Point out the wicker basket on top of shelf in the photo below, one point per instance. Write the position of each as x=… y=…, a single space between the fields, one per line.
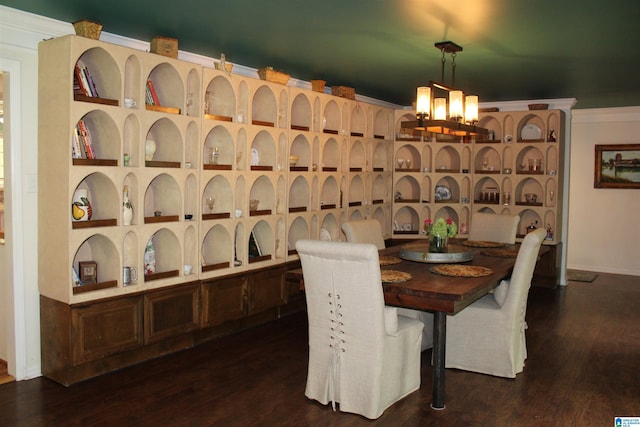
x=271 y=75
x=89 y=29
x=344 y=92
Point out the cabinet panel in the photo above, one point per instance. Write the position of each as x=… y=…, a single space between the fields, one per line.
x=223 y=300
x=267 y=289
x=106 y=328
x=171 y=312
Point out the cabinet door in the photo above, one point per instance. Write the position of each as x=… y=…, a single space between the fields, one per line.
x=106 y=328
x=267 y=289
x=171 y=312
x=223 y=300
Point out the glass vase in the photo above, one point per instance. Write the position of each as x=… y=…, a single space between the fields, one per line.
x=438 y=244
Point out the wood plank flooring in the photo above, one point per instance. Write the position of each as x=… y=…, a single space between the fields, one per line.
x=583 y=369
x=4 y=374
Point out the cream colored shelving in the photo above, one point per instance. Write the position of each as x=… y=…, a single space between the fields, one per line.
x=217 y=135
x=477 y=174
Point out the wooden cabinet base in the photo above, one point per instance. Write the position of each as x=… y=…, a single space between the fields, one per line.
x=86 y=340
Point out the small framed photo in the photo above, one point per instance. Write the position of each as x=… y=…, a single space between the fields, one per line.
x=88 y=271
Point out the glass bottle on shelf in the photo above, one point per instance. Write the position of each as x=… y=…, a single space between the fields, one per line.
x=214 y=156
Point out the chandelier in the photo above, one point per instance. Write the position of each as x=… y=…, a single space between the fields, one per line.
x=459 y=117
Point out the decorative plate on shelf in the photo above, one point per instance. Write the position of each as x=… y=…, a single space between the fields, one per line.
x=531 y=132
x=325 y=235
x=442 y=192
x=407 y=226
x=394 y=276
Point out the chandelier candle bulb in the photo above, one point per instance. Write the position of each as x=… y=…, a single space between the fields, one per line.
x=440 y=109
x=423 y=104
x=471 y=109
x=455 y=105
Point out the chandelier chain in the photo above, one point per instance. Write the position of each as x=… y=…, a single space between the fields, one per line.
x=453 y=69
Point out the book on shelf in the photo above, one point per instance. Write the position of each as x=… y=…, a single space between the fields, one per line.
x=83 y=137
x=80 y=86
x=148 y=97
x=76 y=150
x=83 y=83
x=92 y=85
x=153 y=93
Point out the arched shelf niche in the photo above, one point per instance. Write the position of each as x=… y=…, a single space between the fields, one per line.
x=168 y=85
x=104 y=71
x=301 y=117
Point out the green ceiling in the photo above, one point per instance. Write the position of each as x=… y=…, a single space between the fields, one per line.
x=513 y=49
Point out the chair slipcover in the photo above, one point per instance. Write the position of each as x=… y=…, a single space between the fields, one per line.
x=369 y=231
x=487 y=337
x=493 y=227
x=364 y=231
x=353 y=360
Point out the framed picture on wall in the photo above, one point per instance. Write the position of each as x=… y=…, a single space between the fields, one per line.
x=617 y=166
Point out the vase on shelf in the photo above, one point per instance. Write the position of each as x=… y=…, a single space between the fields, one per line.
x=80 y=206
x=127 y=208
x=438 y=244
x=149 y=149
x=149 y=258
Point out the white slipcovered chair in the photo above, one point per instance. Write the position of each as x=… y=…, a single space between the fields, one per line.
x=364 y=231
x=370 y=231
x=489 y=335
x=362 y=354
x=493 y=227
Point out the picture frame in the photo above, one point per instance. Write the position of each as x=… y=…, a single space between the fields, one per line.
x=88 y=271
x=617 y=166
x=254 y=248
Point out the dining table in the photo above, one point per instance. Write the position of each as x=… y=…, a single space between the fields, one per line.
x=442 y=296
x=439 y=294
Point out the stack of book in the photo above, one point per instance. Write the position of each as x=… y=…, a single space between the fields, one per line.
x=83 y=83
x=81 y=145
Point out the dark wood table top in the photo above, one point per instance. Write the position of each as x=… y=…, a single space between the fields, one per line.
x=434 y=292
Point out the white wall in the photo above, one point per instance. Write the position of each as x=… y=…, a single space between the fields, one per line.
x=604 y=224
x=20 y=34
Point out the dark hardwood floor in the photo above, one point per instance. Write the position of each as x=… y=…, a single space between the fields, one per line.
x=583 y=369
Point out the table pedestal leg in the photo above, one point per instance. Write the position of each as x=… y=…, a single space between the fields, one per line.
x=439 y=344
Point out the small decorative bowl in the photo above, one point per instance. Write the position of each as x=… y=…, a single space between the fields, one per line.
x=293 y=160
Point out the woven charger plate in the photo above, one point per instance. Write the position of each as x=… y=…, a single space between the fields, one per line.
x=456 y=270
x=389 y=260
x=502 y=253
x=482 y=244
x=394 y=276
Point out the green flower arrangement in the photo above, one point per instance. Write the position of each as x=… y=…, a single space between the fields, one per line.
x=441 y=227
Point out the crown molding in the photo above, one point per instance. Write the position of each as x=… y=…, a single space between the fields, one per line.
x=606 y=115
